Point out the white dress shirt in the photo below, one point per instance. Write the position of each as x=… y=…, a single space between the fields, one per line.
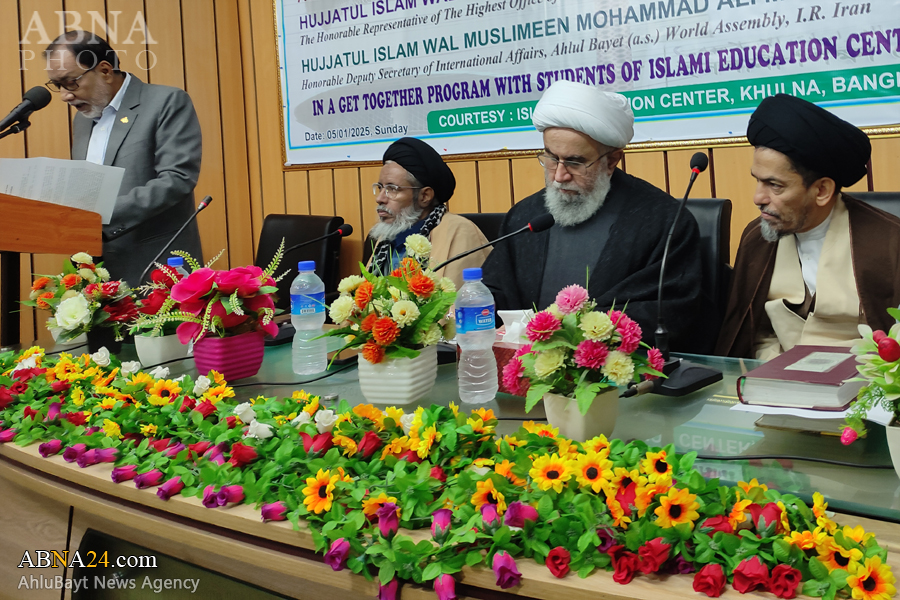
x=103 y=125
x=809 y=247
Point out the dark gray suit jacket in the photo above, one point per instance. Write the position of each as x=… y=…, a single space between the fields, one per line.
x=156 y=139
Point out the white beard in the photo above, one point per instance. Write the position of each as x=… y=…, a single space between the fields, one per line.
x=408 y=217
x=569 y=210
x=768 y=233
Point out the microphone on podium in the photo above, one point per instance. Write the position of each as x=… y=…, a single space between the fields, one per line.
x=682 y=377
x=203 y=204
x=538 y=224
x=342 y=231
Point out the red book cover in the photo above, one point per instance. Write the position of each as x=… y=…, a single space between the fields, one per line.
x=826 y=368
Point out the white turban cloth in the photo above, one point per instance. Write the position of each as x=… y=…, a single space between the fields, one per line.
x=603 y=116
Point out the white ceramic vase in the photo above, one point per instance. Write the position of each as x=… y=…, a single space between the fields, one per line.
x=153 y=350
x=562 y=412
x=399 y=380
x=893 y=440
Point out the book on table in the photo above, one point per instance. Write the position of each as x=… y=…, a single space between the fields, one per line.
x=815 y=377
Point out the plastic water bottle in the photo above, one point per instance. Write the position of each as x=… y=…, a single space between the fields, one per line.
x=307 y=316
x=477 y=370
x=177 y=263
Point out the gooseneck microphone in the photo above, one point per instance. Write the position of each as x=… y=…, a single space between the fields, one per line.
x=34 y=99
x=342 y=231
x=682 y=377
x=203 y=204
x=538 y=224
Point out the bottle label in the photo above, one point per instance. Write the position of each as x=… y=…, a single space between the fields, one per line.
x=307 y=304
x=474 y=318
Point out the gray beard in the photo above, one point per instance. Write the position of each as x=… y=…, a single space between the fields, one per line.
x=408 y=217
x=769 y=234
x=570 y=210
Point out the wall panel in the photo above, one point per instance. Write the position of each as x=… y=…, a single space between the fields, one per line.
x=465 y=197
x=347 y=204
x=733 y=181
x=649 y=166
x=494 y=186
x=166 y=55
x=679 y=162
x=527 y=178
x=886 y=165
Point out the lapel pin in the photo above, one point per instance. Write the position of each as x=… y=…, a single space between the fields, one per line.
x=124 y=119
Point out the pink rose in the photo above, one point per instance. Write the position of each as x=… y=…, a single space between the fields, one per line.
x=245 y=280
x=505 y=570
x=194 y=286
x=337 y=554
x=517 y=513
x=274 y=511
x=170 y=488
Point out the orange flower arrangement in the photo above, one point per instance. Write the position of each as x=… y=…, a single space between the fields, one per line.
x=394 y=316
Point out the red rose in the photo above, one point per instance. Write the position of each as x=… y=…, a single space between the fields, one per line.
x=438 y=473
x=59 y=387
x=751 y=574
x=369 y=444
x=410 y=456
x=199 y=448
x=558 y=562
x=205 y=408
x=152 y=303
x=625 y=564
x=5 y=398
x=321 y=442
x=763 y=516
x=717 y=523
x=231 y=421
x=625 y=497
x=710 y=580
x=122 y=310
x=19 y=387
x=75 y=418
x=29 y=412
x=187 y=404
x=784 y=581
x=653 y=554
x=168 y=277
x=242 y=454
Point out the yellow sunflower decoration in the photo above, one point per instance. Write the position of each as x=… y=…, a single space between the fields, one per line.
x=550 y=471
x=319 y=491
x=591 y=470
x=834 y=556
x=872 y=581
x=486 y=493
x=655 y=466
x=677 y=507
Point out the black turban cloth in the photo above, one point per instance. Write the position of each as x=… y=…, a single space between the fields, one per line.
x=425 y=164
x=811 y=136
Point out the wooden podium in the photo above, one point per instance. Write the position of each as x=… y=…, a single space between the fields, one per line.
x=38 y=228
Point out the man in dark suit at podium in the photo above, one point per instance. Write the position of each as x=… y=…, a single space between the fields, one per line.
x=151 y=131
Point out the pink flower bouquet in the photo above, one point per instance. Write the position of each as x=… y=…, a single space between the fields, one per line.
x=577 y=351
x=224 y=303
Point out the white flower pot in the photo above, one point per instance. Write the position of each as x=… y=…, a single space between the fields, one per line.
x=153 y=350
x=562 y=412
x=893 y=440
x=399 y=380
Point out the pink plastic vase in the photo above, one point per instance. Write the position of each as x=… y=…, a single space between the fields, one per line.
x=234 y=357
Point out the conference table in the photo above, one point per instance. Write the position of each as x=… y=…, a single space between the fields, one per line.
x=51 y=504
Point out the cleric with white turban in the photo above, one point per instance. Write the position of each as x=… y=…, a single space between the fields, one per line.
x=610 y=227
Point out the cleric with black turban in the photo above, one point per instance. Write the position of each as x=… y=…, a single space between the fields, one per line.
x=411 y=197
x=818 y=267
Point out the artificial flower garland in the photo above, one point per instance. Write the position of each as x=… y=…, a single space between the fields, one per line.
x=356 y=476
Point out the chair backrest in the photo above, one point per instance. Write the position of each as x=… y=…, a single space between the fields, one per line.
x=713 y=216
x=296 y=229
x=886 y=201
x=488 y=223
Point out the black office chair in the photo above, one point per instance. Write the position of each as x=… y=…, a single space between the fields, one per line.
x=296 y=229
x=488 y=223
x=886 y=201
x=713 y=216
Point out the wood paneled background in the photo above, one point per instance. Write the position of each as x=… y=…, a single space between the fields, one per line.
x=223 y=53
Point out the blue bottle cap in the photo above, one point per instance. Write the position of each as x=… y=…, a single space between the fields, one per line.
x=175 y=261
x=472 y=274
x=306 y=265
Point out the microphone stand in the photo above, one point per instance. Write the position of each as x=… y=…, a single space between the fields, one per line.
x=682 y=377
x=19 y=127
x=481 y=247
x=202 y=206
x=314 y=240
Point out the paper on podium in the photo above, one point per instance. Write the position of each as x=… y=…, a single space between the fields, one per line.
x=75 y=183
x=876 y=414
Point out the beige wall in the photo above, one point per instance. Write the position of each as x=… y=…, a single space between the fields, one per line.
x=223 y=53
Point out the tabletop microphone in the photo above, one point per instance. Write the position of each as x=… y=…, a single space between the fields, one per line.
x=34 y=99
x=342 y=231
x=538 y=224
x=682 y=377
x=203 y=204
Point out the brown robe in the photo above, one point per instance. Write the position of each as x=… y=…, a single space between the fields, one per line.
x=875 y=251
